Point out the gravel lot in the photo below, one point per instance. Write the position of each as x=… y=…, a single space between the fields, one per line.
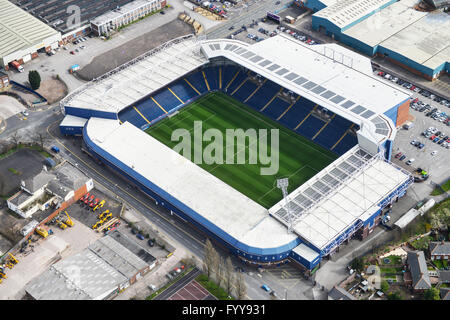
x=9 y=106
x=133 y=48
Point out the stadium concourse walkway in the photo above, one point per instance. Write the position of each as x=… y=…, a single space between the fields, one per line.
x=292 y=111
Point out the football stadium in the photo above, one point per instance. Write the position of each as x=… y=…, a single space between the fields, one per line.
x=336 y=124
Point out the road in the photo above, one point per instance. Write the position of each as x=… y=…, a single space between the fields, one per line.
x=166 y=294
x=171 y=225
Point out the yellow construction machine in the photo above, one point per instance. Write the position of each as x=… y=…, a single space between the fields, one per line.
x=42 y=232
x=100 y=205
x=68 y=221
x=100 y=216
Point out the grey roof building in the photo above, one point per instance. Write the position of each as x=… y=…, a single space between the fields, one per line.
x=97 y=273
x=419 y=272
x=338 y=293
x=444 y=276
x=439 y=248
x=83 y=276
x=133 y=247
x=445 y=294
x=119 y=257
x=56 y=15
x=35 y=183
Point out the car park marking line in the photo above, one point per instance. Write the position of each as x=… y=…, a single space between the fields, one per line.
x=345 y=133
x=141 y=114
x=271 y=100
x=288 y=108
x=142 y=203
x=175 y=95
x=301 y=122
x=229 y=84
x=206 y=81
x=256 y=90
x=324 y=126
x=159 y=105
x=285 y=283
x=192 y=87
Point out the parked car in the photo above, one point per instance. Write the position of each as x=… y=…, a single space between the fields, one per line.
x=265 y=287
x=150 y=243
x=398 y=155
x=434 y=153
x=140 y=236
x=55 y=149
x=410 y=161
x=402 y=157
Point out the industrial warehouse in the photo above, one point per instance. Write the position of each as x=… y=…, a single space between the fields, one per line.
x=400 y=31
x=337 y=115
x=99 y=272
x=60 y=14
x=22 y=36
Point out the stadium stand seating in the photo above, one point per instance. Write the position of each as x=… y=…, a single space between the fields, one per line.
x=228 y=73
x=167 y=100
x=212 y=76
x=184 y=91
x=345 y=144
x=267 y=91
x=263 y=97
x=236 y=82
x=276 y=108
x=197 y=81
x=310 y=127
x=244 y=91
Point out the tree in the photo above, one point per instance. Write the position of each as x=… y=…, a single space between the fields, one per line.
x=41 y=139
x=229 y=275
x=357 y=264
x=35 y=79
x=208 y=258
x=395 y=296
x=15 y=139
x=431 y=294
x=384 y=286
x=221 y=271
x=215 y=263
x=241 y=287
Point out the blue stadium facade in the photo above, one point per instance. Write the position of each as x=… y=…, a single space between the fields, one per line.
x=297 y=113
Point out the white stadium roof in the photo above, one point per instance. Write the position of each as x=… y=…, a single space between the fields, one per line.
x=359 y=182
x=329 y=75
x=346 y=191
x=199 y=190
x=138 y=78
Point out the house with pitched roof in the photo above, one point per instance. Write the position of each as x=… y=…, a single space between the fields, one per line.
x=420 y=279
x=440 y=250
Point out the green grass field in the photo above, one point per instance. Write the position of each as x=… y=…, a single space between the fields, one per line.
x=299 y=158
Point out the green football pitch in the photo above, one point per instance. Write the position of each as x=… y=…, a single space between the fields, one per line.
x=299 y=158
